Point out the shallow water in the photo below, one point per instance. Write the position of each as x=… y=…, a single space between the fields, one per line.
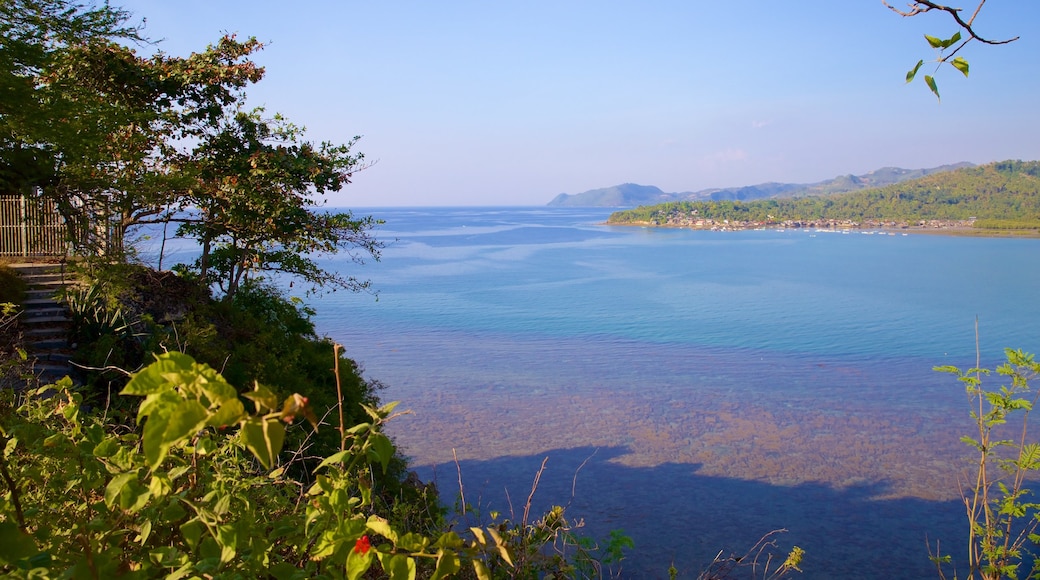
x=695 y=389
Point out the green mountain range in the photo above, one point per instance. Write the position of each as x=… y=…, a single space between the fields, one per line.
x=632 y=195
x=997 y=196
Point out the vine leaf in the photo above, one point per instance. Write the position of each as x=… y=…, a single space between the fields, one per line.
x=16 y=544
x=264 y=438
x=960 y=64
x=913 y=72
x=930 y=81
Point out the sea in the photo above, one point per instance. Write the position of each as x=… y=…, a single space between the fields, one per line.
x=700 y=392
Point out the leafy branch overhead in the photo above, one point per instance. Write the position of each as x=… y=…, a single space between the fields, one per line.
x=947 y=48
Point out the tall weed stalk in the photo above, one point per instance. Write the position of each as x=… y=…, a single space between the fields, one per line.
x=1002 y=512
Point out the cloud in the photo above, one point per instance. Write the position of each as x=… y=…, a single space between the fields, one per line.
x=760 y=124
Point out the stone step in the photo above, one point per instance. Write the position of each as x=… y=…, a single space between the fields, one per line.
x=50 y=344
x=56 y=357
x=38 y=312
x=41 y=333
x=47 y=281
x=52 y=373
x=39 y=302
x=46 y=320
x=31 y=268
x=42 y=293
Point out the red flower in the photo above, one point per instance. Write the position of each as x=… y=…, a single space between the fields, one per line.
x=362 y=545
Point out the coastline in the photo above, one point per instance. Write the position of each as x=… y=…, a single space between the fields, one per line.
x=930 y=227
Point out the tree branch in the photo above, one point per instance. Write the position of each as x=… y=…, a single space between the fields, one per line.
x=922 y=6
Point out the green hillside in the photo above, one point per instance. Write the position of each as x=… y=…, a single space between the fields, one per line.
x=998 y=196
x=631 y=194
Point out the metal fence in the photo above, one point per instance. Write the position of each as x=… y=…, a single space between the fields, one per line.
x=31 y=227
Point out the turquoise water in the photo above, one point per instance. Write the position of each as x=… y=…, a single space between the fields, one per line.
x=555 y=274
x=695 y=389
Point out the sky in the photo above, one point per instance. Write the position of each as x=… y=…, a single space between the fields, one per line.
x=507 y=103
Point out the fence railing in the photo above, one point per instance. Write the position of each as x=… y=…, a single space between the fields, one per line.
x=31 y=228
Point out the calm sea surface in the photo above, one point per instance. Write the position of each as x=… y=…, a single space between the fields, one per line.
x=694 y=389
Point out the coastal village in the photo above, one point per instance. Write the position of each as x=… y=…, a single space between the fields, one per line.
x=695 y=222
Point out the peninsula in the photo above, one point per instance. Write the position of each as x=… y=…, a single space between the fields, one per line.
x=1001 y=199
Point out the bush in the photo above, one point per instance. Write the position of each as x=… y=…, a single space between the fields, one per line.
x=200 y=491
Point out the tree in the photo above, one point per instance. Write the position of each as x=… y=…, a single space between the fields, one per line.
x=253 y=195
x=118 y=140
x=87 y=122
x=947 y=48
x=34 y=35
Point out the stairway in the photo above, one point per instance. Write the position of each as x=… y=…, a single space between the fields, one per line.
x=45 y=320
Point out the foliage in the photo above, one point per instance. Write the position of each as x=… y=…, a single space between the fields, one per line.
x=12 y=287
x=1003 y=513
x=13 y=357
x=118 y=140
x=254 y=204
x=946 y=49
x=90 y=124
x=999 y=194
x=757 y=561
x=129 y=313
x=34 y=119
x=201 y=490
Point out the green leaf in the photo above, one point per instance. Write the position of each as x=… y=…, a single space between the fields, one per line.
x=960 y=64
x=214 y=386
x=229 y=413
x=503 y=549
x=264 y=437
x=412 y=542
x=164 y=400
x=153 y=378
x=913 y=72
x=397 y=566
x=358 y=563
x=449 y=540
x=448 y=563
x=187 y=419
x=940 y=43
x=481 y=570
x=933 y=41
x=380 y=526
x=126 y=492
x=192 y=532
x=339 y=457
x=227 y=538
x=107 y=448
x=144 y=531
x=382 y=449
x=115 y=487
x=266 y=401
x=169 y=425
x=15 y=544
x=931 y=85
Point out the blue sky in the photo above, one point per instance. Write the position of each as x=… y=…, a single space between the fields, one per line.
x=511 y=103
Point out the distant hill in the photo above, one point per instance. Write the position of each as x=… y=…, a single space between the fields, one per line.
x=632 y=195
x=626 y=194
x=997 y=196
